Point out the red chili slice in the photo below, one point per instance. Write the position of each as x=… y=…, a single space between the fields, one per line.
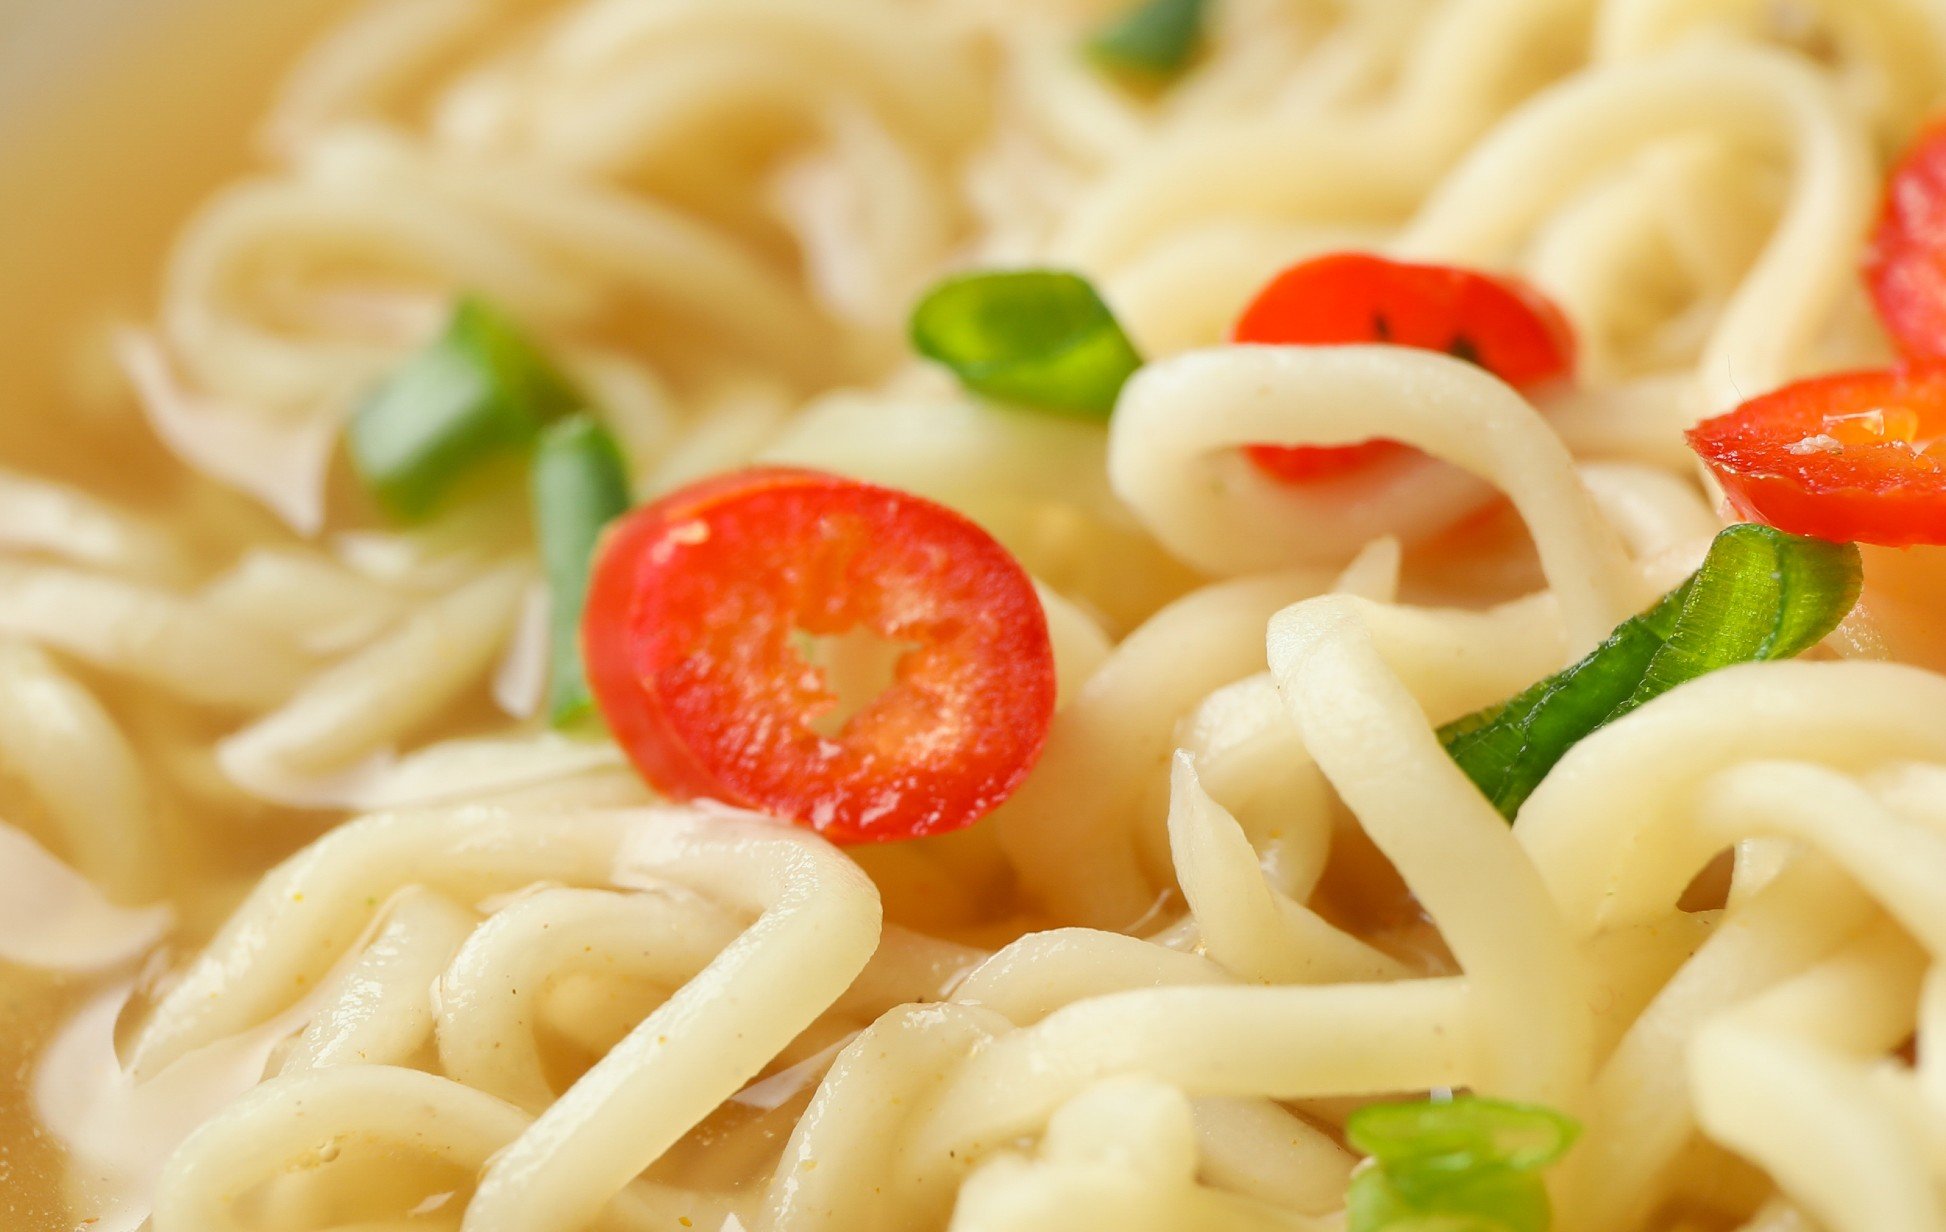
x=1905 y=266
x=1505 y=326
x=693 y=615
x=1843 y=457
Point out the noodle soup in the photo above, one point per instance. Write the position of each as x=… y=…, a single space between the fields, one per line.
x=934 y=614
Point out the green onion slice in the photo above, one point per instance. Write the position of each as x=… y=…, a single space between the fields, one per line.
x=1490 y=1200
x=1154 y=40
x=1461 y=1134
x=1041 y=338
x=482 y=390
x=1460 y=1165
x=1761 y=594
x=580 y=485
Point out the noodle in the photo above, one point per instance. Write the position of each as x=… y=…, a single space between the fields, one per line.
x=328 y=928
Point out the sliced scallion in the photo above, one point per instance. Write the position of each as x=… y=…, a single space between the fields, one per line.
x=1040 y=338
x=1488 y=1200
x=1155 y=39
x=1466 y=1164
x=1457 y=1134
x=580 y=484
x=1761 y=594
x=480 y=391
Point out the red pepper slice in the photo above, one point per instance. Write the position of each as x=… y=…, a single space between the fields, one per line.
x=1905 y=266
x=1842 y=457
x=1503 y=325
x=693 y=615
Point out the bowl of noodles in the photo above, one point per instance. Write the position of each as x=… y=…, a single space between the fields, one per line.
x=972 y=616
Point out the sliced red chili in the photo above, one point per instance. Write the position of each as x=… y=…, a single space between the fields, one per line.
x=1501 y=324
x=1843 y=457
x=1905 y=266
x=694 y=618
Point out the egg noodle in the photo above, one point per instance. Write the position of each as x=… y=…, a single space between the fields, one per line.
x=494 y=984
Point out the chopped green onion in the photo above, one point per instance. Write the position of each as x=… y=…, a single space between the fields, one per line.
x=1460 y=1165
x=1041 y=338
x=1491 y=1200
x=1460 y=1134
x=1761 y=594
x=580 y=485
x=1155 y=39
x=482 y=390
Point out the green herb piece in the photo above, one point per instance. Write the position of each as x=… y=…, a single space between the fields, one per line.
x=580 y=485
x=1493 y=1200
x=481 y=391
x=1461 y=1134
x=1040 y=338
x=1155 y=40
x=1761 y=594
x=1460 y=1165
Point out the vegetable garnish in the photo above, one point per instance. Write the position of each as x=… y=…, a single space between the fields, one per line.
x=1843 y=457
x=481 y=390
x=1040 y=338
x=580 y=485
x=1905 y=267
x=696 y=620
x=1154 y=40
x=1503 y=325
x=1464 y=1165
x=1760 y=594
